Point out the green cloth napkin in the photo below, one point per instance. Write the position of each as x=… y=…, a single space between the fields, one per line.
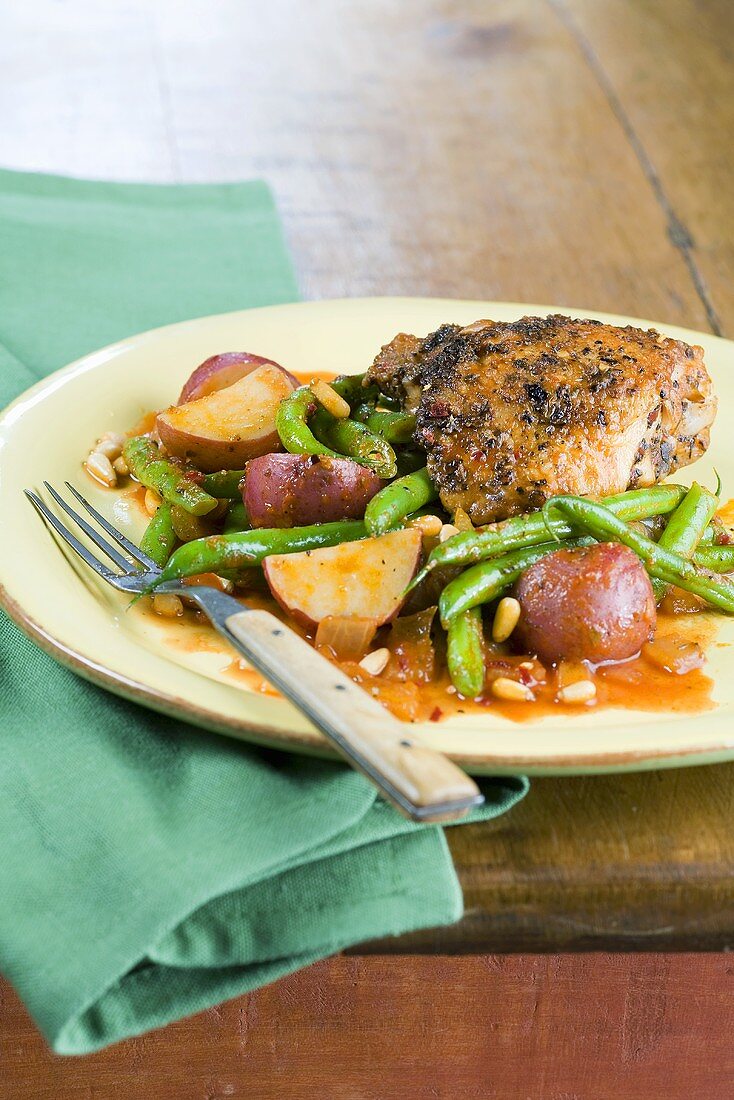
x=149 y=870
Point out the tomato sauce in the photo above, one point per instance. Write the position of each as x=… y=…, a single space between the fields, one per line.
x=637 y=684
x=145 y=425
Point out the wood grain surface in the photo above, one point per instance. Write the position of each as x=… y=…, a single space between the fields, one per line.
x=561 y=151
x=575 y=152
x=588 y=1027
x=639 y=862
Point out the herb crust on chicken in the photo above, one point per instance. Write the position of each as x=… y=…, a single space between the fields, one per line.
x=512 y=413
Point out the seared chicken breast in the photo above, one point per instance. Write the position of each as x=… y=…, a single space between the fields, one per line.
x=511 y=414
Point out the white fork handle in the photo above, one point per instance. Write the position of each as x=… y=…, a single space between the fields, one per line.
x=423 y=784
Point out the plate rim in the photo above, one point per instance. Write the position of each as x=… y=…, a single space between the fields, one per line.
x=308 y=742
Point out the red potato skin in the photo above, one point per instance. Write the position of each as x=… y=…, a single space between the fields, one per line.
x=198 y=431
x=592 y=603
x=219 y=371
x=285 y=490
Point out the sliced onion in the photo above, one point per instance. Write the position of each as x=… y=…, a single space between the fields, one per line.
x=412 y=654
x=401 y=699
x=675 y=655
x=680 y=602
x=347 y=636
x=571 y=672
x=462 y=520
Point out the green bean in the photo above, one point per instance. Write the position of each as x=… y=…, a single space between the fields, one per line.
x=350 y=439
x=236 y=518
x=351 y=387
x=588 y=516
x=716 y=533
x=531 y=529
x=655 y=525
x=409 y=460
x=146 y=463
x=363 y=411
x=391 y=505
x=188 y=527
x=685 y=528
x=390 y=404
x=224 y=484
x=489 y=579
x=719 y=559
x=330 y=436
x=395 y=427
x=159 y=537
x=465 y=653
x=426 y=510
x=291 y=422
x=228 y=555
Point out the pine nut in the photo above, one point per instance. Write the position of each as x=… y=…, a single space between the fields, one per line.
x=152 y=502
x=506 y=618
x=374 y=663
x=168 y=605
x=447 y=532
x=505 y=688
x=109 y=447
x=582 y=691
x=120 y=467
x=100 y=467
x=327 y=396
x=430 y=526
x=116 y=437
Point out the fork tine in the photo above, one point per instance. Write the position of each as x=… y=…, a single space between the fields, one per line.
x=133 y=550
x=103 y=544
x=67 y=536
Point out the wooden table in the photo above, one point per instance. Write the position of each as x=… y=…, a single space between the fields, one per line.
x=576 y=152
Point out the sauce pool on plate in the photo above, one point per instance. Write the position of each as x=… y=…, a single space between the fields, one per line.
x=643 y=683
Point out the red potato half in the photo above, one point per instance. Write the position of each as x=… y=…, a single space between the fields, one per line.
x=366 y=578
x=227 y=428
x=284 y=490
x=223 y=370
x=591 y=603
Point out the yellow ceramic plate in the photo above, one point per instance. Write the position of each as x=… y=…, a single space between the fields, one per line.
x=47 y=431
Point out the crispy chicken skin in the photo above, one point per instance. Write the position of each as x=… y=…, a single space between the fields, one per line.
x=511 y=414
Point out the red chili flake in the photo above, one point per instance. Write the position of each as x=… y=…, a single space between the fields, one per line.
x=436 y=714
x=526 y=676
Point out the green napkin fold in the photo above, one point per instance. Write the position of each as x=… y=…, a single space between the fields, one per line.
x=149 y=870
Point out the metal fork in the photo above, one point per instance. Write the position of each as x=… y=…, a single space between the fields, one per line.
x=421 y=783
